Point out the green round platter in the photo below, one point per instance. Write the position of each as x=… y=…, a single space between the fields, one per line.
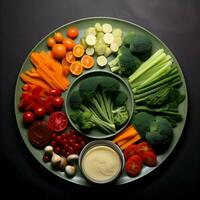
x=82 y=25
x=96 y=133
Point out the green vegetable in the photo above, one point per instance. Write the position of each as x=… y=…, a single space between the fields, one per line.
x=125 y=63
x=120 y=115
x=128 y=38
x=120 y=99
x=160 y=133
x=141 y=46
x=75 y=99
x=141 y=121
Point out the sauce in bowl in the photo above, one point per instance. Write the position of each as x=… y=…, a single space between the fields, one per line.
x=101 y=164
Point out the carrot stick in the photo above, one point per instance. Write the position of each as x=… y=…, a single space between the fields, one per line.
x=35 y=81
x=32 y=74
x=131 y=141
x=123 y=141
x=129 y=132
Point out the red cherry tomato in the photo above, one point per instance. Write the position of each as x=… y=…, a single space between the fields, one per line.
x=57 y=102
x=57 y=121
x=129 y=151
x=72 y=32
x=142 y=147
x=133 y=165
x=149 y=158
x=28 y=117
x=39 y=111
x=55 y=92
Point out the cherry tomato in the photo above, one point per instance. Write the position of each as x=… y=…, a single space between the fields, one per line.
x=58 y=36
x=28 y=117
x=39 y=111
x=142 y=147
x=129 y=151
x=51 y=42
x=133 y=165
x=55 y=92
x=58 y=102
x=59 y=51
x=149 y=158
x=57 y=121
x=68 y=43
x=72 y=32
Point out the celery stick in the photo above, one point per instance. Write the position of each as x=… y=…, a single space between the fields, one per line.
x=155 y=58
x=174 y=83
x=163 y=70
x=174 y=77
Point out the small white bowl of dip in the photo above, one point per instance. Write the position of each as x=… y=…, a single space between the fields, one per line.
x=101 y=161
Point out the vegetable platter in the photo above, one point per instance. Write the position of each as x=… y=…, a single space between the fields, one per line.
x=106 y=80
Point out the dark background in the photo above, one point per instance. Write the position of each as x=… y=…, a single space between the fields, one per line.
x=24 y=23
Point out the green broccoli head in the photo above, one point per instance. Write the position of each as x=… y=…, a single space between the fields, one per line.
x=84 y=120
x=75 y=99
x=87 y=88
x=120 y=99
x=128 y=64
x=142 y=121
x=128 y=39
x=141 y=46
x=74 y=115
x=120 y=116
x=160 y=132
x=108 y=84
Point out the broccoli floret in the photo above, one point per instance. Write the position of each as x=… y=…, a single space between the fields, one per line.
x=120 y=115
x=120 y=99
x=125 y=63
x=75 y=99
x=160 y=132
x=141 y=46
x=74 y=115
x=108 y=84
x=87 y=88
x=87 y=120
x=142 y=121
x=128 y=38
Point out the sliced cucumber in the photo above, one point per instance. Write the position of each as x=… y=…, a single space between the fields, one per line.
x=102 y=61
x=91 y=31
x=90 y=40
x=108 y=38
x=82 y=40
x=100 y=48
x=118 y=40
x=98 y=27
x=107 y=52
x=117 y=32
x=89 y=51
x=99 y=35
x=107 y=28
x=114 y=47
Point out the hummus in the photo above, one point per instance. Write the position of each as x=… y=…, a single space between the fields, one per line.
x=101 y=164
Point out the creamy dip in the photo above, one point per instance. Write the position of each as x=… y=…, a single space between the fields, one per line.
x=101 y=163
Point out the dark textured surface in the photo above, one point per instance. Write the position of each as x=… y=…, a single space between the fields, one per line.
x=24 y=23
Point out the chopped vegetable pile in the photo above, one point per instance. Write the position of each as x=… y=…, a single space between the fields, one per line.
x=100 y=102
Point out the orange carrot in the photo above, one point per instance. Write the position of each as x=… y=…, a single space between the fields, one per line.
x=32 y=74
x=129 y=132
x=35 y=81
x=123 y=141
x=131 y=141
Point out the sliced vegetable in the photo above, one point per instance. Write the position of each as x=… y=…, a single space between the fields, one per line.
x=131 y=141
x=133 y=165
x=114 y=47
x=130 y=151
x=70 y=58
x=149 y=158
x=107 y=28
x=108 y=38
x=78 y=50
x=89 y=51
x=87 y=61
x=102 y=61
x=76 y=68
x=57 y=121
x=90 y=40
